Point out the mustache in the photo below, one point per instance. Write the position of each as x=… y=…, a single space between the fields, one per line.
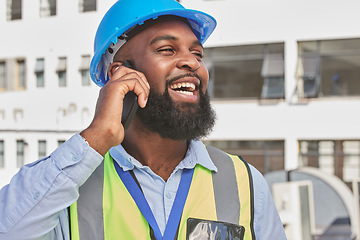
x=171 y=80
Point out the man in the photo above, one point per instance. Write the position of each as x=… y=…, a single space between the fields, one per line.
x=157 y=180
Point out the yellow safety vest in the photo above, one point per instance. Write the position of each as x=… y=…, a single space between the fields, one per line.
x=106 y=210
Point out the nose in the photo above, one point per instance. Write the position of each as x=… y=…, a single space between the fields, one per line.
x=188 y=62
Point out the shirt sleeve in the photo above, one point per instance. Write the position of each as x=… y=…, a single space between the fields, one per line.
x=40 y=191
x=267 y=223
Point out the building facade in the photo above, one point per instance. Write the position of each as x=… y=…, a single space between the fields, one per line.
x=284 y=80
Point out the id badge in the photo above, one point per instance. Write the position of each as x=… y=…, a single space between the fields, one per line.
x=198 y=229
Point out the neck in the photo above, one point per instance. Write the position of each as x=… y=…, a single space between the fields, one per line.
x=162 y=155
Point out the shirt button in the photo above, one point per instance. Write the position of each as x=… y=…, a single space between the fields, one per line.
x=168 y=195
x=76 y=158
x=36 y=195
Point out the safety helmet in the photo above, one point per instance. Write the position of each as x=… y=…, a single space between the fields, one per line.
x=124 y=15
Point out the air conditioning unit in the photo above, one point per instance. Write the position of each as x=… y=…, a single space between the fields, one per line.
x=295 y=204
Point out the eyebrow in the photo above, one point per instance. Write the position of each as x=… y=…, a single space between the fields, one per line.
x=170 y=37
x=163 y=37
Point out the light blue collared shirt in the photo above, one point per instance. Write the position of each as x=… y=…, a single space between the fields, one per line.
x=34 y=204
x=160 y=194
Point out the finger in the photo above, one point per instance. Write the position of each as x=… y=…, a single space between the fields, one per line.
x=142 y=92
x=141 y=79
x=133 y=84
x=117 y=70
x=123 y=73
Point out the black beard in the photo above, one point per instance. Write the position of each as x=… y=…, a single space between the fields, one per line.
x=177 y=121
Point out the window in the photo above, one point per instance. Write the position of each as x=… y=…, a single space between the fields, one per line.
x=14 y=9
x=20 y=153
x=309 y=77
x=60 y=142
x=328 y=68
x=273 y=73
x=13 y=74
x=39 y=72
x=42 y=148
x=84 y=70
x=2 y=76
x=266 y=156
x=2 y=154
x=21 y=74
x=338 y=157
x=61 y=71
x=2 y=114
x=47 y=8
x=246 y=72
x=87 y=5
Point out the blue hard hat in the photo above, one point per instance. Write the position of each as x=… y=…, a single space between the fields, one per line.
x=124 y=15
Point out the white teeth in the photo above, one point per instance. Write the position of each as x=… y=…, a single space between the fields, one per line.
x=191 y=86
x=186 y=93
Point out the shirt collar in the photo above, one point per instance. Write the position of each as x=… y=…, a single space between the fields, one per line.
x=196 y=154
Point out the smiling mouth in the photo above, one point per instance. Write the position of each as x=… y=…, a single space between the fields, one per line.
x=184 y=88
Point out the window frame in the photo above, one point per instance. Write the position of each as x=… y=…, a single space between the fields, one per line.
x=328 y=68
x=3 y=76
x=256 y=59
x=20 y=153
x=42 y=147
x=14 y=12
x=40 y=72
x=48 y=8
x=61 y=70
x=84 y=70
x=87 y=6
x=21 y=74
x=2 y=154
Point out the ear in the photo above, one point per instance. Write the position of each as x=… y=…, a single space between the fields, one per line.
x=113 y=67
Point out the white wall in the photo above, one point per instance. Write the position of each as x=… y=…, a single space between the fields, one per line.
x=71 y=34
x=322 y=119
x=46 y=111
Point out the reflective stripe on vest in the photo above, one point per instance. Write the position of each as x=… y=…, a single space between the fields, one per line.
x=105 y=209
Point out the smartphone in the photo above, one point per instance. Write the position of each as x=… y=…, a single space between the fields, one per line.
x=208 y=229
x=130 y=102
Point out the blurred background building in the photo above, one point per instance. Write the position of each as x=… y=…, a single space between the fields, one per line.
x=284 y=80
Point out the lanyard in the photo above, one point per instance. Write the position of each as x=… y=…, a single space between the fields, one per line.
x=176 y=210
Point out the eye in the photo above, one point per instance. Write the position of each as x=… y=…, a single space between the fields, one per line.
x=199 y=55
x=166 y=51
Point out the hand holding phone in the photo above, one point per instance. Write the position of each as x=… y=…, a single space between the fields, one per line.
x=130 y=103
x=110 y=120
